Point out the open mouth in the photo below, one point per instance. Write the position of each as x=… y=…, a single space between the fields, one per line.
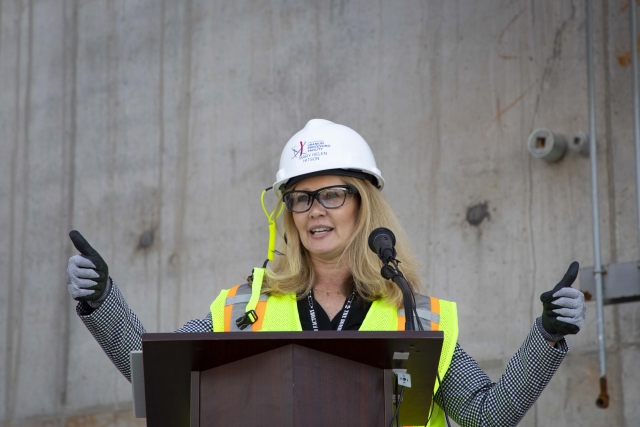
x=320 y=231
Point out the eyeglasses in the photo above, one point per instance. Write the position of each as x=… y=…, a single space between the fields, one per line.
x=331 y=197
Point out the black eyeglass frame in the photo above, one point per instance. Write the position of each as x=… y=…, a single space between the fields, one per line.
x=313 y=196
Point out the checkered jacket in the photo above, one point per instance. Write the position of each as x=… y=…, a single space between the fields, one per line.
x=470 y=397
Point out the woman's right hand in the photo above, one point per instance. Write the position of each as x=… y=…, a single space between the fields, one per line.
x=563 y=307
x=87 y=273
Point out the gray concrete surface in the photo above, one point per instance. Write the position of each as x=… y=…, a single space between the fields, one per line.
x=124 y=117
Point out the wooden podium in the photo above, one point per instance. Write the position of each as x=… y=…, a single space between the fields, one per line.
x=306 y=379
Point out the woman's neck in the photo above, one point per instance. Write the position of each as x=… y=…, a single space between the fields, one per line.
x=330 y=276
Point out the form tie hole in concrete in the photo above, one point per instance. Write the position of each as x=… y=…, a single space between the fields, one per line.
x=476 y=214
x=146 y=239
x=580 y=143
x=546 y=145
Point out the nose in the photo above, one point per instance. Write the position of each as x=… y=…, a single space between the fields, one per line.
x=316 y=210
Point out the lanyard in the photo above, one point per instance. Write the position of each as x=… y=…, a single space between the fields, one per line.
x=345 y=311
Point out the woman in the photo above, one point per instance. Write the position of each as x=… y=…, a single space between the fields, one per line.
x=325 y=278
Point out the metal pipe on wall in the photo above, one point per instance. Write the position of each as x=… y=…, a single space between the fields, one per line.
x=603 y=399
x=636 y=102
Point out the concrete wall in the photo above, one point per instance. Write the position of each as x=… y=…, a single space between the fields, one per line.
x=124 y=117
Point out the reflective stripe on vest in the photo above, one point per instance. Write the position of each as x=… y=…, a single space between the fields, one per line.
x=233 y=303
x=428 y=309
x=280 y=313
x=236 y=299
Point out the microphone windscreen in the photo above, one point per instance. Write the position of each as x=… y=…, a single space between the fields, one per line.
x=381 y=237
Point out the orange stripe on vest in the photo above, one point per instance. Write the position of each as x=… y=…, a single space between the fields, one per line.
x=435 y=309
x=260 y=309
x=228 y=309
x=401 y=321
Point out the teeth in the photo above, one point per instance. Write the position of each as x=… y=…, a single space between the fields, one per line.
x=319 y=230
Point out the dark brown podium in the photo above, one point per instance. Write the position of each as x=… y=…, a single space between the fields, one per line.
x=287 y=378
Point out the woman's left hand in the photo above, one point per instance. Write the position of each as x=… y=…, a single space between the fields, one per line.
x=563 y=307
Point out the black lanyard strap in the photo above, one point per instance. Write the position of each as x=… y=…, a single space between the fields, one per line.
x=345 y=311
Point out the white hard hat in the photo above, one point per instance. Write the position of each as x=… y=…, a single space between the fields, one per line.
x=323 y=148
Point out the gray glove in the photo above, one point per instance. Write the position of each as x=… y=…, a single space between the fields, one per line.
x=87 y=273
x=563 y=308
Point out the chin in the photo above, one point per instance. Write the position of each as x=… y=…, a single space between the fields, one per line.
x=319 y=252
x=325 y=253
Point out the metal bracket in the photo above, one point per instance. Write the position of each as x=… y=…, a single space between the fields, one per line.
x=621 y=283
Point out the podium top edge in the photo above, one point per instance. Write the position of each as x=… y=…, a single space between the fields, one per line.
x=305 y=335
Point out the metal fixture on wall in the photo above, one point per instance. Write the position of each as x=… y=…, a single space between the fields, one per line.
x=636 y=104
x=552 y=146
x=623 y=279
x=546 y=145
x=580 y=143
x=603 y=398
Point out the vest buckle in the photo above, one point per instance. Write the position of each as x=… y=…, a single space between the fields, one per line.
x=249 y=318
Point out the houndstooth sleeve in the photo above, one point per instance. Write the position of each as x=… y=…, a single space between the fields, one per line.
x=119 y=331
x=472 y=399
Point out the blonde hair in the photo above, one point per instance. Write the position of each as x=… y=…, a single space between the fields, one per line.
x=293 y=271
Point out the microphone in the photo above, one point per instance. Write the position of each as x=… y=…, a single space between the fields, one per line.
x=382 y=242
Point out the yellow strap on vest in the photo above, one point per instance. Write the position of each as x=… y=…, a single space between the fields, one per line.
x=449 y=324
x=217 y=311
x=382 y=316
x=256 y=287
x=281 y=314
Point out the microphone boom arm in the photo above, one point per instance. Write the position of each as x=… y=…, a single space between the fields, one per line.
x=394 y=274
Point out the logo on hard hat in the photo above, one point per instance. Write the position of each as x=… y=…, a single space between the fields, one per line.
x=298 y=152
x=310 y=151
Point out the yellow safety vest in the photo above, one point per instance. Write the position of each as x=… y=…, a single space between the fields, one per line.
x=280 y=313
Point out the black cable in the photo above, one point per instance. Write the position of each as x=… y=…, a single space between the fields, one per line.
x=398 y=402
x=420 y=328
x=415 y=311
x=444 y=406
x=408 y=296
x=396 y=394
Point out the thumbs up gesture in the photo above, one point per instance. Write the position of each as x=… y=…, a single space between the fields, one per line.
x=87 y=273
x=563 y=306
